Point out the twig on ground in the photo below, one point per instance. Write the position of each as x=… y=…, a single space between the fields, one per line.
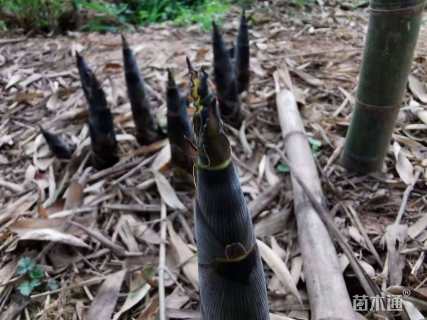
x=117 y=169
x=353 y=213
x=14 y=40
x=132 y=171
x=118 y=250
x=264 y=199
x=405 y=198
x=162 y=262
x=17 y=188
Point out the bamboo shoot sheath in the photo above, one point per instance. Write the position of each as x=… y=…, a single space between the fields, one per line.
x=231 y=276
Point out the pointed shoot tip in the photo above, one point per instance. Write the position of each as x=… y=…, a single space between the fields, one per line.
x=171 y=78
x=243 y=20
x=125 y=43
x=215 y=28
x=43 y=132
x=189 y=65
x=81 y=62
x=79 y=58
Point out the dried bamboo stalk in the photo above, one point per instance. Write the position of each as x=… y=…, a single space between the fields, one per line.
x=328 y=295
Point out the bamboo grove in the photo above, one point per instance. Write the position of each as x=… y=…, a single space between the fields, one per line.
x=231 y=276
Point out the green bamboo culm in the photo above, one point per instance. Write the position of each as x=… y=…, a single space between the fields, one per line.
x=231 y=276
x=389 y=49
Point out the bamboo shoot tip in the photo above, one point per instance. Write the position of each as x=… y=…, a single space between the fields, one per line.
x=79 y=58
x=171 y=78
x=189 y=65
x=125 y=43
x=216 y=32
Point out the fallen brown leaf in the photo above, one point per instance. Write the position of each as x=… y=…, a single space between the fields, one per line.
x=187 y=259
x=103 y=305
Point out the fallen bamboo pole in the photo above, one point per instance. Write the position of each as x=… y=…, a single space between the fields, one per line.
x=328 y=295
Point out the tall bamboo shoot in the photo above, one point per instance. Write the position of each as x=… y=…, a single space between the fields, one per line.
x=180 y=132
x=225 y=80
x=242 y=56
x=101 y=128
x=146 y=129
x=231 y=276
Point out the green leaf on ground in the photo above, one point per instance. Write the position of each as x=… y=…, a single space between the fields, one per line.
x=26 y=287
x=25 y=265
x=52 y=284
x=315 y=146
x=36 y=273
x=282 y=168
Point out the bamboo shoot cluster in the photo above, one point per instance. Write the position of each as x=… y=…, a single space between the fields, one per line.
x=101 y=127
x=231 y=78
x=103 y=139
x=232 y=282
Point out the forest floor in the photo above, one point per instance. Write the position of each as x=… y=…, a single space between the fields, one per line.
x=119 y=208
